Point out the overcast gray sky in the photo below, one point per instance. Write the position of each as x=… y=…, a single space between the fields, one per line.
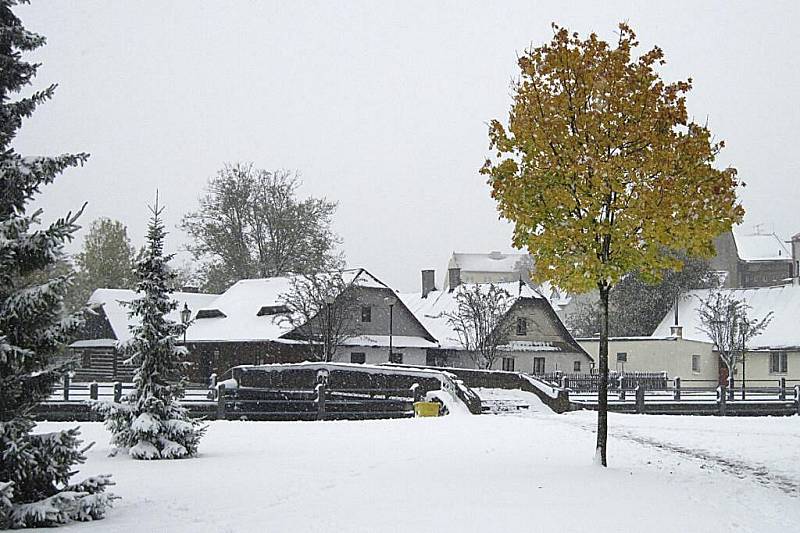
x=382 y=106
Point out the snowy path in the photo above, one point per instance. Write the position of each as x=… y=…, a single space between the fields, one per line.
x=460 y=474
x=765 y=449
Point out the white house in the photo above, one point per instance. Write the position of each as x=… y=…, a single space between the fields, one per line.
x=539 y=341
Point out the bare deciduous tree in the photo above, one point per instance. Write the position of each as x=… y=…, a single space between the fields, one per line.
x=724 y=319
x=252 y=224
x=480 y=321
x=321 y=309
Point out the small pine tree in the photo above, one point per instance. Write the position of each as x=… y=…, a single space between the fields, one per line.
x=35 y=468
x=149 y=423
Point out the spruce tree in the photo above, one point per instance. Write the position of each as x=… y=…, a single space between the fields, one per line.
x=35 y=468
x=150 y=423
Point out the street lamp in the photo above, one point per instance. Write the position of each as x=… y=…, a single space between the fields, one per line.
x=186 y=315
x=328 y=306
x=390 y=301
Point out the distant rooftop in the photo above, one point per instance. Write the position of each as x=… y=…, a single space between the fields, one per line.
x=754 y=246
x=489 y=262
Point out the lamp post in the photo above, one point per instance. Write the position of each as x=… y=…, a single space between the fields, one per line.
x=186 y=314
x=390 y=301
x=328 y=334
x=743 y=332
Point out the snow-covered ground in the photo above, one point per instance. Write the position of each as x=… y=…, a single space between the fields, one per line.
x=531 y=472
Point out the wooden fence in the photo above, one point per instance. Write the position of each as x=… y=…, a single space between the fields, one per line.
x=72 y=401
x=623 y=380
x=759 y=398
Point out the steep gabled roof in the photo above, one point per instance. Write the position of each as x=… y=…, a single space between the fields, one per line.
x=781 y=333
x=432 y=311
x=112 y=303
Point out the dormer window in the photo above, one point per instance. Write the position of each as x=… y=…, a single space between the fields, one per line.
x=210 y=313
x=273 y=310
x=366 y=313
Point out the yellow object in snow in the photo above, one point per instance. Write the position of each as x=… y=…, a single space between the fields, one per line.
x=426 y=409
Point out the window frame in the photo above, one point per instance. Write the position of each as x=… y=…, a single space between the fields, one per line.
x=522 y=326
x=576 y=366
x=508 y=364
x=363 y=355
x=366 y=313
x=536 y=362
x=778 y=362
x=696 y=366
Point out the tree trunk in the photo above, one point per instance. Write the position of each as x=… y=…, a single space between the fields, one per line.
x=602 y=394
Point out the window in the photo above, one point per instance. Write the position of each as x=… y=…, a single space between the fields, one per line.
x=522 y=326
x=430 y=359
x=396 y=357
x=358 y=357
x=778 y=363
x=695 y=363
x=622 y=357
x=508 y=364
x=538 y=365
x=576 y=366
x=366 y=313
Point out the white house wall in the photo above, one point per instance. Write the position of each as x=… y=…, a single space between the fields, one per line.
x=380 y=354
x=671 y=355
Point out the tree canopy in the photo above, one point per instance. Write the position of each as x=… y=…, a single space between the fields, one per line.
x=252 y=224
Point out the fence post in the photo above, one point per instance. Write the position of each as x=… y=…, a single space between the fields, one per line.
x=639 y=399
x=797 y=398
x=782 y=392
x=564 y=382
x=676 y=394
x=66 y=387
x=93 y=391
x=621 y=386
x=721 y=400
x=221 y=415
x=320 y=401
x=117 y=392
x=416 y=392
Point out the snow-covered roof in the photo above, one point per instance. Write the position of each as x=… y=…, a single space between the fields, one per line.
x=398 y=341
x=237 y=309
x=760 y=247
x=117 y=313
x=783 y=301
x=432 y=311
x=491 y=262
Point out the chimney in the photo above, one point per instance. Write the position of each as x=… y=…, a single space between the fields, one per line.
x=676 y=331
x=795 y=259
x=428 y=283
x=453 y=278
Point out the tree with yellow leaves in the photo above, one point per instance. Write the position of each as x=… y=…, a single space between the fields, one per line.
x=603 y=172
